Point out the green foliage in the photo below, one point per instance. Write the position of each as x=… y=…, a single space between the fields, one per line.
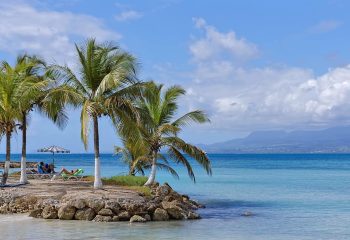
x=105 y=84
x=157 y=128
x=125 y=180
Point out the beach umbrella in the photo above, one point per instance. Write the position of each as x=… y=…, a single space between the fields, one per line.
x=53 y=150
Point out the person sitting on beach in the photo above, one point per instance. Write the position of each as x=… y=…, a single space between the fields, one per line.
x=50 y=168
x=42 y=169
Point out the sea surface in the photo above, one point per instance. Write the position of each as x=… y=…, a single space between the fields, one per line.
x=291 y=196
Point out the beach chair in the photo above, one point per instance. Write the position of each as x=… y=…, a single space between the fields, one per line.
x=78 y=175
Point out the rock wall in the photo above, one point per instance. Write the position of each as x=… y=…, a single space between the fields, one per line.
x=164 y=204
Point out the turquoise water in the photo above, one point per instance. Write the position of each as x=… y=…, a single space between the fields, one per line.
x=292 y=196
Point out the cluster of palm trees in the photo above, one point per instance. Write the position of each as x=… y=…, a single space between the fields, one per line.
x=104 y=84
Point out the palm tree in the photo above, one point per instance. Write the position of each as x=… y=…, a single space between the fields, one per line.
x=10 y=82
x=34 y=88
x=105 y=86
x=157 y=109
x=135 y=155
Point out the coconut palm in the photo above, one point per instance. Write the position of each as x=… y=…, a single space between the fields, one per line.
x=34 y=88
x=157 y=109
x=105 y=85
x=10 y=94
x=135 y=155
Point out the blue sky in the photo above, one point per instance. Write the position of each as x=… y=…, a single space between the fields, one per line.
x=252 y=65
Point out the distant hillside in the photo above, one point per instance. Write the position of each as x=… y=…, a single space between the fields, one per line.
x=330 y=140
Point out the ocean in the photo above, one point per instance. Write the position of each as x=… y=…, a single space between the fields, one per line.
x=290 y=196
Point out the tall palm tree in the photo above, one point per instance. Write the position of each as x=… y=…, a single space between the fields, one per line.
x=105 y=85
x=157 y=109
x=34 y=88
x=10 y=94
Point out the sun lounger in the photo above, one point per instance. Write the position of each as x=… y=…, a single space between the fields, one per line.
x=78 y=175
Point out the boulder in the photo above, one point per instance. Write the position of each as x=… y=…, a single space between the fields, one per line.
x=86 y=214
x=113 y=205
x=174 y=211
x=160 y=215
x=147 y=217
x=49 y=212
x=137 y=218
x=95 y=204
x=124 y=216
x=151 y=207
x=163 y=190
x=105 y=212
x=78 y=203
x=4 y=209
x=193 y=215
x=66 y=212
x=100 y=218
x=36 y=213
x=115 y=219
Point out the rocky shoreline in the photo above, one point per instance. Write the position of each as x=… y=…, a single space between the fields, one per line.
x=109 y=205
x=18 y=164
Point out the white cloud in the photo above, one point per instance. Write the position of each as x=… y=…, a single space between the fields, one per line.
x=46 y=32
x=241 y=98
x=325 y=26
x=216 y=44
x=128 y=15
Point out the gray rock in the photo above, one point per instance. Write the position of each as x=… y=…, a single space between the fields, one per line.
x=151 y=207
x=36 y=213
x=124 y=216
x=115 y=219
x=193 y=215
x=113 y=205
x=137 y=218
x=105 y=212
x=174 y=211
x=95 y=204
x=78 y=203
x=86 y=214
x=66 y=212
x=163 y=190
x=147 y=217
x=4 y=209
x=160 y=215
x=50 y=212
x=100 y=218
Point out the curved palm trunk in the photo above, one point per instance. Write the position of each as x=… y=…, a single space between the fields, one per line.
x=23 y=178
x=131 y=171
x=152 y=175
x=97 y=182
x=7 y=162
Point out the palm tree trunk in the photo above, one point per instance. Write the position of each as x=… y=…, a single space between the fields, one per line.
x=8 y=152
x=23 y=178
x=97 y=182
x=152 y=175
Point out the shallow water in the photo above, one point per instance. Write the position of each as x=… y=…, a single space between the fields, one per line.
x=292 y=196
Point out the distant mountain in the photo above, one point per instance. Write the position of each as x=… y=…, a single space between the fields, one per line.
x=331 y=140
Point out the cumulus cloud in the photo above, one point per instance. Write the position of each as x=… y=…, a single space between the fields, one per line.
x=47 y=32
x=215 y=44
x=241 y=98
x=128 y=15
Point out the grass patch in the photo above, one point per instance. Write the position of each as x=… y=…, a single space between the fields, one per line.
x=145 y=191
x=120 y=180
x=134 y=183
x=125 y=180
